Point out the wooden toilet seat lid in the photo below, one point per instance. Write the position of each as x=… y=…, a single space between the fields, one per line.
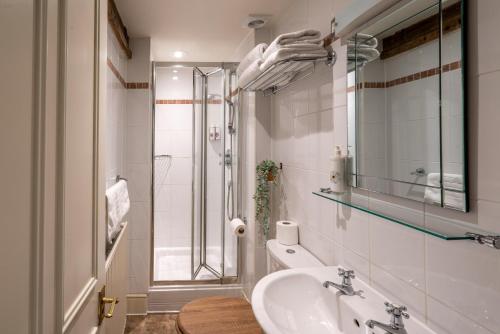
x=218 y=315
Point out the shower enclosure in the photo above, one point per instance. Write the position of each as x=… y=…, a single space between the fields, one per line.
x=195 y=173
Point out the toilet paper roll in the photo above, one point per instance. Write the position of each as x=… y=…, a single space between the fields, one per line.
x=238 y=227
x=287 y=232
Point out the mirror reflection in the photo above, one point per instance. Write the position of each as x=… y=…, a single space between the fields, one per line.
x=405 y=104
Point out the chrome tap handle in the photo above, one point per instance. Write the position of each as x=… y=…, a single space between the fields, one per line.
x=346 y=273
x=346 y=276
x=396 y=310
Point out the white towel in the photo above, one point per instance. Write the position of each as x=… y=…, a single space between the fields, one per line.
x=256 y=53
x=363 y=40
x=308 y=36
x=290 y=53
x=118 y=204
x=433 y=191
x=453 y=193
x=250 y=74
x=363 y=54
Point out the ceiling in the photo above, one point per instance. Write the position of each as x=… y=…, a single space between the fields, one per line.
x=206 y=30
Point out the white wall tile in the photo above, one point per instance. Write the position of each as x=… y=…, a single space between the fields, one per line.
x=140 y=220
x=138 y=108
x=138 y=144
x=488 y=161
x=139 y=182
x=464 y=276
x=488 y=216
x=359 y=264
x=444 y=320
x=356 y=231
x=399 y=291
x=398 y=250
x=484 y=23
x=138 y=265
x=138 y=165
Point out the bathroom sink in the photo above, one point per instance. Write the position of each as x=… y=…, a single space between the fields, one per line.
x=294 y=301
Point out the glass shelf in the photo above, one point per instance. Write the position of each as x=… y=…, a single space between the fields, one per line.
x=360 y=202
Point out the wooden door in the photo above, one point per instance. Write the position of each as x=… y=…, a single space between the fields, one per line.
x=53 y=64
x=81 y=186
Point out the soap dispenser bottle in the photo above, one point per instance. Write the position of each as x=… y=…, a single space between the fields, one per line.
x=337 y=174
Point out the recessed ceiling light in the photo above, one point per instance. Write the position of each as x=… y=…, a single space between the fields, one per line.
x=175 y=71
x=179 y=54
x=175 y=78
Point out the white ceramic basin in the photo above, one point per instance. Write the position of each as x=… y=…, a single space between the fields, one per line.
x=295 y=302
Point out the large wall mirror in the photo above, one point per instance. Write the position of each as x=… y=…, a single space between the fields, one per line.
x=406 y=110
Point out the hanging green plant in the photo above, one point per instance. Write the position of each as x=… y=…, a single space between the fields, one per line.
x=267 y=176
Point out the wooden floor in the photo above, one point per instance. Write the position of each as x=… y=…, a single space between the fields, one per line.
x=151 y=324
x=210 y=315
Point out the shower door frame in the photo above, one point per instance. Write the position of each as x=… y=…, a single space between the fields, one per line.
x=222 y=279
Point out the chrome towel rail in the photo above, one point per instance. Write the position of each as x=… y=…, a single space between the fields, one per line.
x=285 y=72
x=118 y=178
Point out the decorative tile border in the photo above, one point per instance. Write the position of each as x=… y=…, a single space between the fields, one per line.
x=116 y=73
x=409 y=78
x=126 y=85
x=173 y=101
x=137 y=85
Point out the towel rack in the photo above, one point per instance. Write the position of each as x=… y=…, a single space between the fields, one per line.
x=286 y=72
x=118 y=178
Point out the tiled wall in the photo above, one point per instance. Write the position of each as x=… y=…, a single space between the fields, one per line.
x=304 y=132
x=138 y=164
x=128 y=147
x=173 y=176
x=116 y=111
x=255 y=134
x=453 y=285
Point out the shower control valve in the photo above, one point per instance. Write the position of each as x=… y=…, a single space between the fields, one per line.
x=228 y=159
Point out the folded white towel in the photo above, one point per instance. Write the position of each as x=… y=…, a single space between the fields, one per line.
x=256 y=53
x=453 y=185
x=118 y=205
x=433 y=191
x=363 y=40
x=363 y=55
x=308 y=36
x=251 y=73
x=290 y=53
x=453 y=181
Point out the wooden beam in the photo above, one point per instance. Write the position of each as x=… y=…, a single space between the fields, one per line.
x=118 y=28
x=422 y=32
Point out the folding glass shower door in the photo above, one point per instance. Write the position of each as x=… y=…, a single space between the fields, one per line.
x=194 y=186
x=208 y=173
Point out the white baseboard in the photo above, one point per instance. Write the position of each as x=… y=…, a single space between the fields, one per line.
x=171 y=299
x=137 y=304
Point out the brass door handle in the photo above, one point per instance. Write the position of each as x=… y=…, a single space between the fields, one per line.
x=103 y=300
x=113 y=302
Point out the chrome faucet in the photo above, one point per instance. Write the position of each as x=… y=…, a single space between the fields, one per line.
x=346 y=287
x=396 y=325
